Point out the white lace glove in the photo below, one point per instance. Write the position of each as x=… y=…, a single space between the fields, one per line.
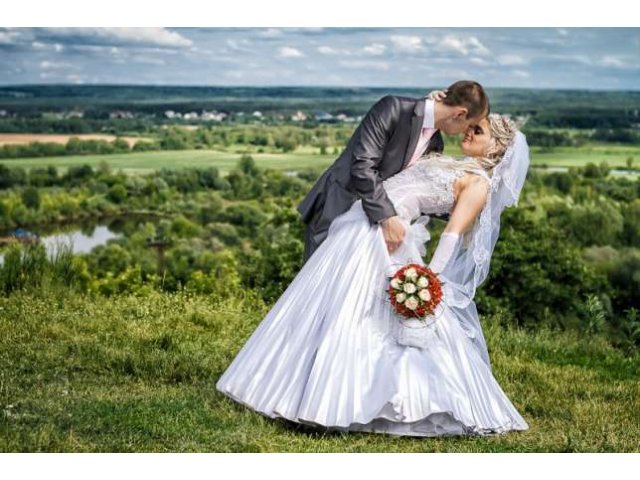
x=444 y=250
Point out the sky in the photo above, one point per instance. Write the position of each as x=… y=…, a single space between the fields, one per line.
x=580 y=58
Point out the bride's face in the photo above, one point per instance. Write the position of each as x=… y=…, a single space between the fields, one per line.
x=476 y=139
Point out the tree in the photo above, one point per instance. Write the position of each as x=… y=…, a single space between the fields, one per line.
x=117 y=193
x=630 y=163
x=561 y=181
x=631 y=230
x=247 y=165
x=246 y=218
x=31 y=198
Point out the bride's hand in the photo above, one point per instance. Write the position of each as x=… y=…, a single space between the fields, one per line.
x=437 y=95
x=393 y=231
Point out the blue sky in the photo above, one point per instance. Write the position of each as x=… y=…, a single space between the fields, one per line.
x=591 y=58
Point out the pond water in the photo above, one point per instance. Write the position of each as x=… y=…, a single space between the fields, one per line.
x=85 y=237
x=80 y=241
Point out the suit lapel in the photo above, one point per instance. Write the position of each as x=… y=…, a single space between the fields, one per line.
x=416 y=127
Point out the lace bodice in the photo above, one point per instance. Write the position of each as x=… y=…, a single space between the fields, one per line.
x=423 y=188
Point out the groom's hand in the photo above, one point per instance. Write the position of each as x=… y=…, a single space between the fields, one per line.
x=394 y=231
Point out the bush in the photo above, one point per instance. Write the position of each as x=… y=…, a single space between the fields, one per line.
x=247 y=218
x=539 y=275
x=31 y=198
x=117 y=193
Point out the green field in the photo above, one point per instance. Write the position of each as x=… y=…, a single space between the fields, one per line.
x=615 y=155
x=305 y=157
x=137 y=374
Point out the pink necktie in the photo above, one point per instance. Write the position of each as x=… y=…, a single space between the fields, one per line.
x=422 y=144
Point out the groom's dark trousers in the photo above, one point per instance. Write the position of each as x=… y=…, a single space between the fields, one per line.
x=381 y=146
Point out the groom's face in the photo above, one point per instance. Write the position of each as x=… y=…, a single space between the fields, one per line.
x=458 y=122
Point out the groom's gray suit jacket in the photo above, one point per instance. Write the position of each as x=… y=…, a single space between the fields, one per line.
x=381 y=146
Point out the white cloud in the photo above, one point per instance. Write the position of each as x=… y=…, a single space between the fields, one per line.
x=374 y=49
x=234 y=74
x=241 y=45
x=47 y=46
x=157 y=36
x=562 y=32
x=148 y=60
x=365 y=64
x=46 y=65
x=477 y=46
x=407 y=43
x=271 y=33
x=612 y=61
x=77 y=79
x=92 y=48
x=455 y=74
x=327 y=50
x=511 y=60
x=9 y=37
x=479 y=61
x=290 y=52
x=521 y=73
x=306 y=29
x=461 y=45
x=620 y=62
x=572 y=58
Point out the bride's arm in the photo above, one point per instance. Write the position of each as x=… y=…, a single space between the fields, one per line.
x=468 y=206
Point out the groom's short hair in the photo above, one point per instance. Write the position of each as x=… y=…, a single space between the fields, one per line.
x=468 y=94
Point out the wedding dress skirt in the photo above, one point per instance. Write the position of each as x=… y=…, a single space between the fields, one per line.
x=325 y=354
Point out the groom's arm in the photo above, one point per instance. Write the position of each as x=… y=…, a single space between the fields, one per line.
x=375 y=130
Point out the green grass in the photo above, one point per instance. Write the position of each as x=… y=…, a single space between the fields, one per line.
x=304 y=157
x=137 y=374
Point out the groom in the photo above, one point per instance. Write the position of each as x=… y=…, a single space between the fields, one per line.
x=394 y=133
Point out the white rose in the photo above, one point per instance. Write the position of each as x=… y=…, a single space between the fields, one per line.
x=409 y=287
x=411 y=303
x=424 y=294
x=410 y=273
x=423 y=282
x=400 y=297
x=395 y=283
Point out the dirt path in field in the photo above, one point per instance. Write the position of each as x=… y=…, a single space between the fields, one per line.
x=24 y=138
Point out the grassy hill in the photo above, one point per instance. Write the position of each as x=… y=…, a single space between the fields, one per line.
x=137 y=373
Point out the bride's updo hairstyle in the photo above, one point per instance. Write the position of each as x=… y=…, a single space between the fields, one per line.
x=502 y=129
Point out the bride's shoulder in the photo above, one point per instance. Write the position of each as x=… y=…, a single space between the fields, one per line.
x=475 y=180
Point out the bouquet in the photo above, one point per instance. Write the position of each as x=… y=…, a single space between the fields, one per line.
x=415 y=292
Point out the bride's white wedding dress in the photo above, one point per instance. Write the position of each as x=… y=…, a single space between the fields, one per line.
x=326 y=354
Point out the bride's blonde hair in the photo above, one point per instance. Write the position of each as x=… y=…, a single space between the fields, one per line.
x=502 y=130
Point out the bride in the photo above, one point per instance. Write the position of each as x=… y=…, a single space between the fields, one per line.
x=332 y=353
